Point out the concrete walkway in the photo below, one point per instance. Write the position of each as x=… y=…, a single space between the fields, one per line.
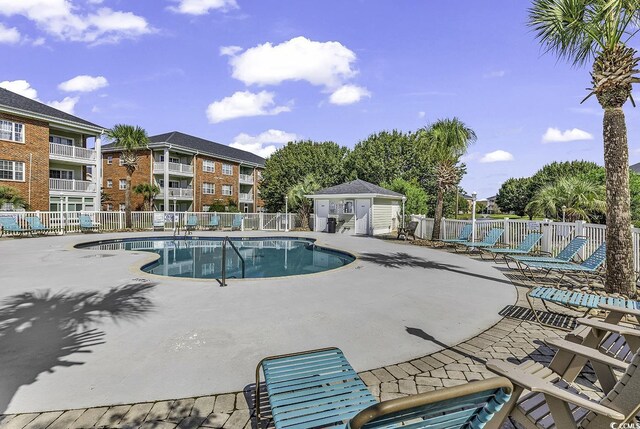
x=72 y=344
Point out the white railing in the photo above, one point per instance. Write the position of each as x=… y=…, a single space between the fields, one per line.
x=247 y=198
x=177 y=192
x=174 y=167
x=71 y=185
x=555 y=235
x=72 y=152
x=115 y=221
x=246 y=178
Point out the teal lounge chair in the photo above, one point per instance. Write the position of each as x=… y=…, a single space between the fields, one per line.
x=525 y=247
x=464 y=235
x=489 y=240
x=319 y=388
x=214 y=222
x=37 y=226
x=565 y=255
x=87 y=224
x=590 y=266
x=237 y=222
x=9 y=224
x=192 y=223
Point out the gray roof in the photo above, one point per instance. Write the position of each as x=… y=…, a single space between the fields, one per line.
x=15 y=101
x=356 y=187
x=635 y=167
x=203 y=146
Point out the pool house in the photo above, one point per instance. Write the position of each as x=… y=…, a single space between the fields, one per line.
x=356 y=208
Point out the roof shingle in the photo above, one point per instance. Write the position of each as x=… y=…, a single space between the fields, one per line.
x=357 y=186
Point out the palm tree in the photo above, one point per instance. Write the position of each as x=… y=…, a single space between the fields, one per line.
x=130 y=139
x=581 y=198
x=445 y=141
x=599 y=30
x=299 y=202
x=148 y=192
x=11 y=197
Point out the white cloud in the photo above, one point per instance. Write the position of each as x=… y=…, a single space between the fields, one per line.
x=263 y=144
x=201 y=7
x=242 y=104
x=495 y=74
x=9 y=35
x=496 y=156
x=21 y=87
x=553 y=135
x=348 y=94
x=422 y=114
x=68 y=21
x=229 y=50
x=66 y=105
x=326 y=64
x=83 y=83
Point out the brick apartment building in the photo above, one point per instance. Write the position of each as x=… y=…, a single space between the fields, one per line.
x=49 y=156
x=192 y=173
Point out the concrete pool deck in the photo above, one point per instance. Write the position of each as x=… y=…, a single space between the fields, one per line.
x=176 y=338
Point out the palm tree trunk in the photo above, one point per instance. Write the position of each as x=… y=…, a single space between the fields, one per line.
x=437 y=218
x=620 y=272
x=127 y=201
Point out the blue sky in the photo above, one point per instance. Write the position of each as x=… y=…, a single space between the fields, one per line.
x=256 y=73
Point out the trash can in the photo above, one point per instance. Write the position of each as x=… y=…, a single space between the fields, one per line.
x=331 y=225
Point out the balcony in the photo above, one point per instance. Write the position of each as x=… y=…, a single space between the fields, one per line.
x=78 y=154
x=184 y=193
x=246 y=178
x=66 y=185
x=246 y=198
x=174 y=168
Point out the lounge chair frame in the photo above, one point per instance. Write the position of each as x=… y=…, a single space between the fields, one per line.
x=13 y=227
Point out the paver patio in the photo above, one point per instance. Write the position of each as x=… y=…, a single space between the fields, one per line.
x=511 y=339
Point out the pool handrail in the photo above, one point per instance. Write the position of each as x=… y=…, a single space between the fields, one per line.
x=224 y=259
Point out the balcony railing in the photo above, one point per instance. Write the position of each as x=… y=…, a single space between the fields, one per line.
x=177 y=193
x=174 y=168
x=247 y=198
x=71 y=185
x=71 y=152
x=246 y=178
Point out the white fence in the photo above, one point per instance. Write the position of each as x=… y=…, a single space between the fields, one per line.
x=115 y=221
x=555 y=235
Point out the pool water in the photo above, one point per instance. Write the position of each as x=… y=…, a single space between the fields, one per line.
x=201 y=258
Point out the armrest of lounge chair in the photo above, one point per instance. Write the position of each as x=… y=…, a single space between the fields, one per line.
x=535 y=384
x=610 y=327
x=623 y=310
x=586 y=352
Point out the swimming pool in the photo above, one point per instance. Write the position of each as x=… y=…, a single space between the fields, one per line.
x=202 y=257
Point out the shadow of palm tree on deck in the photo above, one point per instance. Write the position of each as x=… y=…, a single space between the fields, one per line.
x=41 y=330
x=404 y=260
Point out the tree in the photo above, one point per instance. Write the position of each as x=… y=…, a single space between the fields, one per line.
x=299 y=202
x=148 y=192
x=599 y=30
x=445 y=142
x=129 y=139
x=11 y=197
x=514 y=195
x=229 y=206
x=289 y=165
x=551 y=173
x=581 y=198
x=416 y=196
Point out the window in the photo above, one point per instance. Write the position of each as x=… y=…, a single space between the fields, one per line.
x=174 y=184
x=227 y=190
x=122 y=207
x=348 y=207
x=208 y=188
x=110 y=159
x=11 y=170
x=120 y=160
x=227 y=169
x=61 y=140
x=209 y=166
x=61 y=174
x=109 y=183
x=13 y=131
x=174 y=160
x=109 y=207
x=205 y=208
x=123 y=184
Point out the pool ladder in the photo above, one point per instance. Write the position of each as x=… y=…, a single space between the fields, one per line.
x=223 y=281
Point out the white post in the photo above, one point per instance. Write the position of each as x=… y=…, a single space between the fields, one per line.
x=97 y=179
x=165 y=178
x=403 y=201
x=261 y=217
x=277 y=221
x=443 y=228
x=286 y=213
x=580 y=230
x=474 y=196
x=547 y=238
x=506 y=236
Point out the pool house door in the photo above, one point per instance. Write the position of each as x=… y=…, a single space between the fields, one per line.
x=362 y=216
x=322 y=213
